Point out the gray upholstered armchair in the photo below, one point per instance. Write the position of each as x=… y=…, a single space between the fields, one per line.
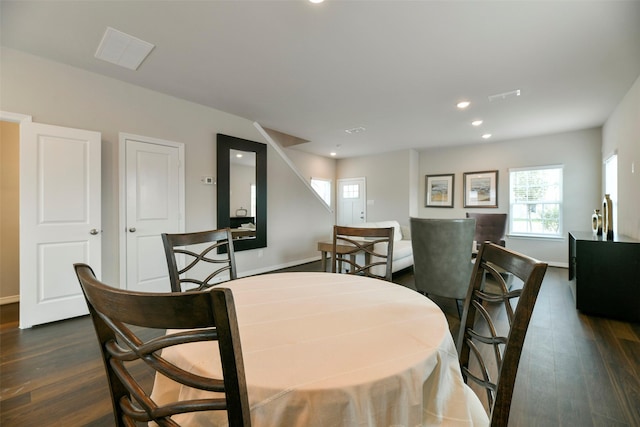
x=442 y=259
x=490 y=227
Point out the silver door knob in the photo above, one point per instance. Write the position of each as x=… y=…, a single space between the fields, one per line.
x=132 y=230
x=93 y=231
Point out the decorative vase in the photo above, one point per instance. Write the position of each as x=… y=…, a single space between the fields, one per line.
x=596 y=222
x=607 y=217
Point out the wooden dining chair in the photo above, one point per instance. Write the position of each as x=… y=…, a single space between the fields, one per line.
x=199 y=248
x=120 y=317
x=492 y=332
x=367 y=251
x=490 y=227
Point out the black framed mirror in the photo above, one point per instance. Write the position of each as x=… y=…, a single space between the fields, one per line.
x=242 y=190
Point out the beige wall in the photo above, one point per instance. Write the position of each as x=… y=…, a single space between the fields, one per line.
x=391 y=179
x=621 y=134
x=578 y=152
x=58 y=94
x=398 y=192
x=9 y=210
x=61 y=95
x=312 y=166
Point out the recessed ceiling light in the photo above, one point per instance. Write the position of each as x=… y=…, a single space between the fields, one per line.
x=476 y=122
x=316 y=1
x=239 y=155
x=463 y=104
x=486 y=136
x=333 y=153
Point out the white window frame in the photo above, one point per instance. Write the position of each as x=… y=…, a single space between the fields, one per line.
x=328 y=185
x=513 y=204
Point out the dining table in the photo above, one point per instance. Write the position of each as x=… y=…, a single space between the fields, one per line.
x=327 y=349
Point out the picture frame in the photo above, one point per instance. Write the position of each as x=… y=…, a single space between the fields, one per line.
x=439 y=190
x=481 y=189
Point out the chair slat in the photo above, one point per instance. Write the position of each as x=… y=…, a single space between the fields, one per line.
x=201 y=316
x=220 y=241
x=369 y=242
x=480 y=321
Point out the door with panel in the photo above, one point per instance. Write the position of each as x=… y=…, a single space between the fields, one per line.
x=154 y=187
x=60 y=219
x=351 y=201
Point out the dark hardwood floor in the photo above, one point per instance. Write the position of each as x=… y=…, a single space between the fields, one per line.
x=576 y=370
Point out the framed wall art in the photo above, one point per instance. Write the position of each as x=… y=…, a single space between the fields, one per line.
x=439 y=191
x=481 y=189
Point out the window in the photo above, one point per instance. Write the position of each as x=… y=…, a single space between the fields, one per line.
x=351 y=191
x=535 y=201
x=323 y=188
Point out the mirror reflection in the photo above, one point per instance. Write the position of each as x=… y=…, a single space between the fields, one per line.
x=242 y=193
x=242 y=190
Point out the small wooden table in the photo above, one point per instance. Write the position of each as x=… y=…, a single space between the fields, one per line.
x=242 y=233
x=342 y=250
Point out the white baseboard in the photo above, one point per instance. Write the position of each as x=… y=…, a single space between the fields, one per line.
x=10 y=299
x=558 y=264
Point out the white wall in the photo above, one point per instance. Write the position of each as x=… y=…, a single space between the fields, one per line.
x=621 y=134
x=57 y=94
x=414 y=190
x=390 y=183
x=312 y=166
x=578 y=151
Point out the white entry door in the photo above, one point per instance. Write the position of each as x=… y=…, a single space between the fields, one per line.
x=351 y=201
x=60 y=221
x=154 y=199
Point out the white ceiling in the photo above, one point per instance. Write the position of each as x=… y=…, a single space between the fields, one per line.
x=396 y=68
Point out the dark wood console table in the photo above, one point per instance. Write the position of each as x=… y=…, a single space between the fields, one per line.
x=606 y=274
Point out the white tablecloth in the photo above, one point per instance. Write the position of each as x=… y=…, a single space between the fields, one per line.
x=324 y=349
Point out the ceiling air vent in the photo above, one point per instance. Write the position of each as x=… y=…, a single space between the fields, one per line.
x=122 y=49
x=504 y=95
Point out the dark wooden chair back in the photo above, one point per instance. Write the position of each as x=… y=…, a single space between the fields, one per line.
x=374 y=245
x=208 y=243
x=489 y=346
x=490 y=227
x=202 y=316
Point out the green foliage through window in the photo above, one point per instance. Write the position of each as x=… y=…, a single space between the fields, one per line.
x=535 y=200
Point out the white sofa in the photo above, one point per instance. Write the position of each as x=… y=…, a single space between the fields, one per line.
x=402 y=250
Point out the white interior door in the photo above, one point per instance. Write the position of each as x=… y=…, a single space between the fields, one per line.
x=60 y=223
x=351 y=201
x=154 y=187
